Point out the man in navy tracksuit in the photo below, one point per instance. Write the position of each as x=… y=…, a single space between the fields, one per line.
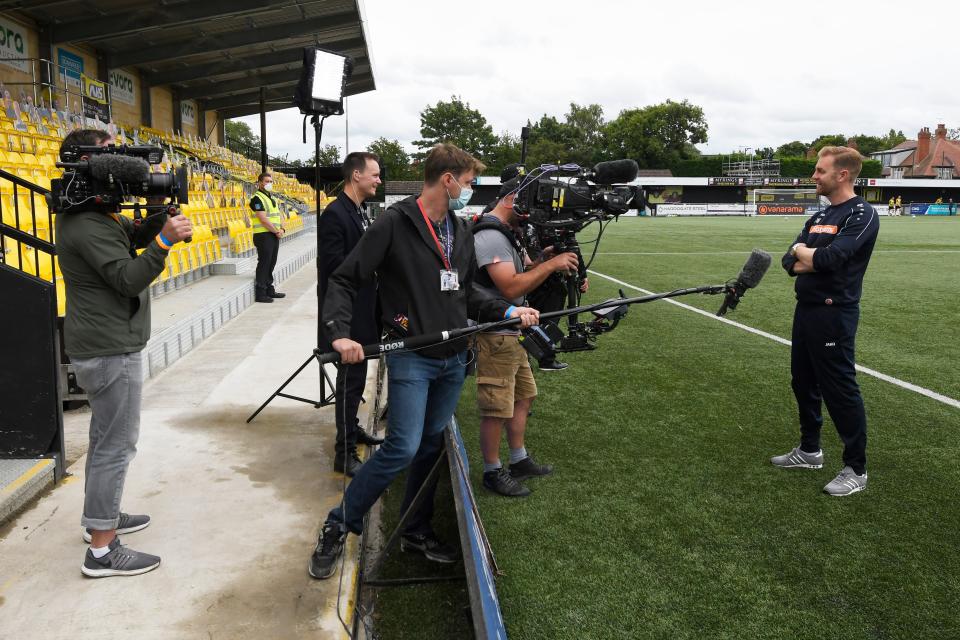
x=829 y=258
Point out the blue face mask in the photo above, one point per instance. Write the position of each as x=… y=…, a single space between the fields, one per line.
x=455 y=204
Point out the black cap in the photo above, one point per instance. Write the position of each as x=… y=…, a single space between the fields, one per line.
x=510 y=177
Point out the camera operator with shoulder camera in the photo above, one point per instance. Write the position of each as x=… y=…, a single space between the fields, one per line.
x=106 y=327
x=505 y=384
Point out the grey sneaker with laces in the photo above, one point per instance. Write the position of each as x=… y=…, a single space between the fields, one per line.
x=798 y=459
x=846 y=483
x=127 y=524
x=119 y=561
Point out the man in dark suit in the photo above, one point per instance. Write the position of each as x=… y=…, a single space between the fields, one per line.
x=340 y=227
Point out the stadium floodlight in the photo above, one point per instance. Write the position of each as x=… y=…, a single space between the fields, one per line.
x=322 y=82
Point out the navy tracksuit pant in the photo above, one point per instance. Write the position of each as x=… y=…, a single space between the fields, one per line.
x=823 y=371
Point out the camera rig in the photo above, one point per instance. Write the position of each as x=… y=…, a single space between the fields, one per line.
x=110 y=178
x=554 y=203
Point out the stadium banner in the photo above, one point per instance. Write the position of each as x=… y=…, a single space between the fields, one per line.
x=477 y=560
x=95 y=99
x=123 y=87
x=782 y=209
x=696 y=209
x=14 y=43
x=726 y=181
x=188 y=112
x=934 y=209
x=71 y=70
x=662 y=195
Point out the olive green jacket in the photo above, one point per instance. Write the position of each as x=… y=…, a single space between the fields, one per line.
x=107 y=282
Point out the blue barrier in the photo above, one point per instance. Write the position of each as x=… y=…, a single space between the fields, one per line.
x=927 y=209
x=478 y=561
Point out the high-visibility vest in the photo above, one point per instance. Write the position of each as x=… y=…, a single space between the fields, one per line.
x=270 y=208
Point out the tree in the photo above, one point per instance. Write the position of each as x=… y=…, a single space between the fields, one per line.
x=583 y=131
x=795 y=149
x=240 y=138
x=829 y=140
x=329 y=156
x=393 y=158
x=455 y=122
x=656 y=136
x=505 y=150
x=892 y=139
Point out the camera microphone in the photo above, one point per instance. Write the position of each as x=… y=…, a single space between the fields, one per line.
x=614 y=172
x=119 y=168
x=748 y=278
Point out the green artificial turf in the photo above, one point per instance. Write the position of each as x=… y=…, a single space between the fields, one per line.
x=664 y=518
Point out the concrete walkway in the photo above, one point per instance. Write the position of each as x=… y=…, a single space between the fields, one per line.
x=236 y=508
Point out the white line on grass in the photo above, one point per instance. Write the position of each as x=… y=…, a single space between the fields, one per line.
x=870 y=372
x=726 y=253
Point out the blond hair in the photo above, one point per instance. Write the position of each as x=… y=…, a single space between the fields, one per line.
x=844 y=158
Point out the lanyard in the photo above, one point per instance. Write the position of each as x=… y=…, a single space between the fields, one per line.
x=448 y=241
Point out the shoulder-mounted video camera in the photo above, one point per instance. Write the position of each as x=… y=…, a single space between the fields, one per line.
x=571 y=196
x=104 y=178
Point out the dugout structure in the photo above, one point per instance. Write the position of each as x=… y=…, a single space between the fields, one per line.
x=784 y=202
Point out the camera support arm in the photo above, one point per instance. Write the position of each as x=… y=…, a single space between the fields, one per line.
x=427 y=340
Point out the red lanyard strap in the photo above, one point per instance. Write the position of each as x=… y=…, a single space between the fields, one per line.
x=443 y=254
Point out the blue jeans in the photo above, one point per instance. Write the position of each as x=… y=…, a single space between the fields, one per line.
x=423 y=394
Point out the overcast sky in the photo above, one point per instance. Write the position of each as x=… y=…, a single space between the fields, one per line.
x=765 y=73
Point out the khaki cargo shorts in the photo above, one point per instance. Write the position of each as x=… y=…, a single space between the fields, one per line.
x=503 y=375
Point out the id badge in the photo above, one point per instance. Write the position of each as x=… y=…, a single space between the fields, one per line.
x=448 y=280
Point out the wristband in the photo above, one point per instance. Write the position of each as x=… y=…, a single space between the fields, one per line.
x=163 y=242
x=509 y=311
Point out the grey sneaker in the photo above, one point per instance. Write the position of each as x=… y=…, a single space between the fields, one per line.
x=846 y=482
x=797 y=459
x=120 y=561
x=127 y=524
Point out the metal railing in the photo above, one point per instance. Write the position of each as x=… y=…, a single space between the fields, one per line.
x=26 y=237
x=46 y=88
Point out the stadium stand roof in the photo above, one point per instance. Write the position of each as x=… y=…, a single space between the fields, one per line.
x=217 y=52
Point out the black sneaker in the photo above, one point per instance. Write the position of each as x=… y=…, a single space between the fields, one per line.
x=349 y=465
x=528 y=468
x=263 y=298
x=323 y=562
x=501 y=482
x=365 y=438
x=552 y=365
x=430 y=546
x=119 y=561
x=277 y=294
x=127 y=524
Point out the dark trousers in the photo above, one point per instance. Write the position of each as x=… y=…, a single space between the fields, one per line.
x=268 y=247
x=351 y=379
x=823 y=369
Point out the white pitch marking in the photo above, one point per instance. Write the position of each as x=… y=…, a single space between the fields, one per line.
x=939 y=397
x=726 y=253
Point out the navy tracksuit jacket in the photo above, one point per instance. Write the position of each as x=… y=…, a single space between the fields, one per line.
x=825 y=325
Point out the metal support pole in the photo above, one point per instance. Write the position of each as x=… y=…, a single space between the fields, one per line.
x=263 y=130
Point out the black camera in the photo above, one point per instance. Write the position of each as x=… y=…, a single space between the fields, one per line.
x=111 y=176
x=570 y=196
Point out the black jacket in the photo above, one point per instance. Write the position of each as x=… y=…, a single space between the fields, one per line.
x=339 y=229
x=400 y=250
x=843 y=236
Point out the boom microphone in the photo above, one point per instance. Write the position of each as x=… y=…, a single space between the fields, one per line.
x=614 y=172
x=120 y=168
x=748 y=278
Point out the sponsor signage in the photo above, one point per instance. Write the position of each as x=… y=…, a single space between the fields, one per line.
x=123 y=87
x=781 y=182
x=71 y=69
x=188 y=112
x=726 y=181
x=94 y=89
x=781 y=209
x=14 y=44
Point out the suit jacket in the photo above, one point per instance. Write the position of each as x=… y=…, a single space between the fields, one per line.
x=340 y=228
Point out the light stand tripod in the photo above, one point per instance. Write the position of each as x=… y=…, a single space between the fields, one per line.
x=325 y=397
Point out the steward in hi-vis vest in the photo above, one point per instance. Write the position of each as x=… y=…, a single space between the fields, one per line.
x=267 y=223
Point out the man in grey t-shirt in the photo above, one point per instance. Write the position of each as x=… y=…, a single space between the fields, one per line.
x=505 y=384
